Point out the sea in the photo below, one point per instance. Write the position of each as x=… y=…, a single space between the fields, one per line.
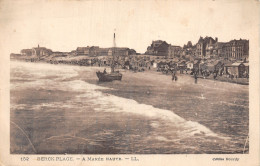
x=63 y=109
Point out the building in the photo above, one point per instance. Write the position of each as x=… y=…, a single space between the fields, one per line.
x=102 y=51
x=94 y=50
x=218 y=65
x=174 y=51
x=236 y=49
x=26 y=52
x=237 y=69
x=97 y=51
x=41 y=51
x=158 y=48
x=189 y=45
x=218 y=50
x=14 y=56
x=132 y=52
x=88 y=51
x=122 y=51
x=246 y=67
x=82 y=51
x=205 y=46
x=197 y=64
x=162 y=48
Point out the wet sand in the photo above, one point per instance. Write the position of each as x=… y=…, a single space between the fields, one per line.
x=221 y=106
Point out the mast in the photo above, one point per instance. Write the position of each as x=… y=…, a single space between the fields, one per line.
x=113 y=54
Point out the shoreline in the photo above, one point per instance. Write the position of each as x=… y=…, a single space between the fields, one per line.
x=240 y=81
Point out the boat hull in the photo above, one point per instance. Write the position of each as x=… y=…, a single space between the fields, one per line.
x=108 y=77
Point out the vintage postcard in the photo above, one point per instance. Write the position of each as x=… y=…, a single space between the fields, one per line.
x=129 y=82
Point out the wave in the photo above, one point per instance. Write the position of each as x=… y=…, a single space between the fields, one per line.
x=111 y=103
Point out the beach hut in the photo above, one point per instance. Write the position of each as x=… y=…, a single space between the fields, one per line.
x=217 y=65
x=246 y=68
x=127 y=64
x=196 y=64
x=182 y=64
x=154 y=64
x=203 y=66
x=227 y=66
x=210 y=67
x=189 y=65
x=236 y=69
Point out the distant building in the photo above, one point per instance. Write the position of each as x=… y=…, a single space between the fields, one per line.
x=162 y=48
x=102 y=51
x=122 y=51
x=174 y=51
x=26 y=52
x=94 y=50
x=82 y=51
x=205 y=46
x=13 y=55
x=156 y=43
x=218 y=50
x=132 y=52
x=88 y=51
x=158 y=48
x=236 y=49
x=97 y=51
x=189 y=45
x=41 y=51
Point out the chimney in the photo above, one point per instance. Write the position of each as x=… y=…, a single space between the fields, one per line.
x=38 y=46
x=216 y=39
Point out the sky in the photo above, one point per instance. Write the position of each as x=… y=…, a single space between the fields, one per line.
x=64 y=25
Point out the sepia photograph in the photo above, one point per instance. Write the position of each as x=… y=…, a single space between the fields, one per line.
x=131 y=78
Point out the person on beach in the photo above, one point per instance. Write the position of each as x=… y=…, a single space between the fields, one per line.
x=215 y=75
x=231 y=76
x=105 y=71
x=174 y=77
x=195 y=77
